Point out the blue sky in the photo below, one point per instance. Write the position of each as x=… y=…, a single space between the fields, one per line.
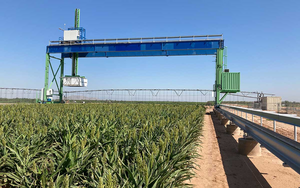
x=263 y=40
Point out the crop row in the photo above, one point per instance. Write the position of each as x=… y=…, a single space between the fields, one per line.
x=99 y=145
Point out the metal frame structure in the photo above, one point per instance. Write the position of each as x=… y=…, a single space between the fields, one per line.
x=131 y=49
x=247 y=94
x=136 y=47
x=154 y=91
x=138 y=40
x=114 y=94
x=134 y=90
x=75 y=55
x=186 y=95
x=61 y=68
x=284 y=118
x=284 y=148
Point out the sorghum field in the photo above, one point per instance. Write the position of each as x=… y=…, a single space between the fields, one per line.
x=99 y=145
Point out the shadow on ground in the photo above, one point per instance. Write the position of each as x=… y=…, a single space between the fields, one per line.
x=239 y=170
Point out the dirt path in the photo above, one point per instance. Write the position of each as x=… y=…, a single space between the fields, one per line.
x=222 y=166
x=211 y=172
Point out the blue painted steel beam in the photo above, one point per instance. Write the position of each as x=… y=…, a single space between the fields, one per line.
x=205 y=47
x=142 y=53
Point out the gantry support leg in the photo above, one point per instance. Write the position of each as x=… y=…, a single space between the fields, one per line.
x=74 y=64
x=61 y=91
x=46 y=77
x=75 y=55
x=219 y=69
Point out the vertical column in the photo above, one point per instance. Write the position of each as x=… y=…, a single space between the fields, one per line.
x=219 y=69
x=77 y=17
x=73 y=64
x=75 y=55
x=76 y=63
x=62 y=66
x=46 y=77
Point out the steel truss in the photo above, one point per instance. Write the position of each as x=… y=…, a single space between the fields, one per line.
x=178 y=92
x=19 y=92
x=59 y=84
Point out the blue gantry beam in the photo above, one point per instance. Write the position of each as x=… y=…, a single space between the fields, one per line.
x=136 y=48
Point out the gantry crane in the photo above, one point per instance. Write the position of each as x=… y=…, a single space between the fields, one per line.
x=74 y=45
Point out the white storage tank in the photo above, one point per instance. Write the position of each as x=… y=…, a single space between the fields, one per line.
x=75 y=81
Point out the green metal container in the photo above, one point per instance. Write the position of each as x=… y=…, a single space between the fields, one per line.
x=230 y=82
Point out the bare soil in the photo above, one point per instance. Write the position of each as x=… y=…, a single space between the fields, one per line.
x=222 y=166
x=211 y=172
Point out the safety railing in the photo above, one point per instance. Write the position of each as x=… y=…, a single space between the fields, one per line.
x=138 y=40
x=275 y=117
x=284 y=148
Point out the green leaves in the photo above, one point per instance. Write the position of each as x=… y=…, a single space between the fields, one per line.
x=99 y=145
